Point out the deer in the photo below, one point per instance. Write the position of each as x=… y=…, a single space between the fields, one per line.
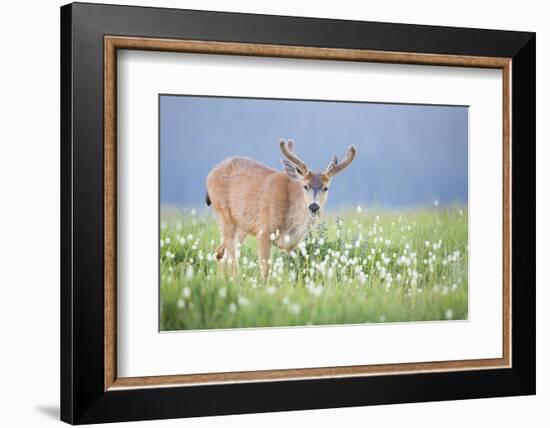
x=277 y=207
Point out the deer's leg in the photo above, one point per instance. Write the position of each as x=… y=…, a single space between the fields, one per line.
x=230 y=244
x=220 y=250
x=225 y=225
x=264 y=254
x=227 y=247
x=240 y=235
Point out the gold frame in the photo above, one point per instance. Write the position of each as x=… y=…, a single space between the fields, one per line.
x=112 y=43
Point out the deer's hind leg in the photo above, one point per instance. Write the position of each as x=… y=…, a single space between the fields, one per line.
x=228 y=247
x=229 y=235
x=264 y=253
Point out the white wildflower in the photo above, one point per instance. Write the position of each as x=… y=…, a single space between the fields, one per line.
x=414 y=277
x=294 y=308
x=232 y=307
x=222 y=293
x=181 y=303
x=449 y=314
x=243 y=301
x=189 y=272
x=359 y=209
x=186 y=292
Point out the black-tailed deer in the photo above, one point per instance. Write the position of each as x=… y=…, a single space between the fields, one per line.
x=277 y=207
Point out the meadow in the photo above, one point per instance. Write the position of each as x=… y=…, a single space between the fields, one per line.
x=354 y=267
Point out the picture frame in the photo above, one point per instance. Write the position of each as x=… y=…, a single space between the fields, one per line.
x=91 y=391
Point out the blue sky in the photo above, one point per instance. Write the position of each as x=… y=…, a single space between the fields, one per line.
x=408 y=155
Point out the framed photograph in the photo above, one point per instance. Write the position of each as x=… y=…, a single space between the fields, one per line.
x=265 y=213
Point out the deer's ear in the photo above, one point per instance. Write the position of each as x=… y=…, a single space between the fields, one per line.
x=291 y=170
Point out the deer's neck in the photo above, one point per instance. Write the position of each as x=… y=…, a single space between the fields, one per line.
x=298 y=221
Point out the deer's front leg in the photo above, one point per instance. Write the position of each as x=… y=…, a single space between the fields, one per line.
x=264 y=253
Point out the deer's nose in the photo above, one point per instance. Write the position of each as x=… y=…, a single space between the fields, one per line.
x=314 y=207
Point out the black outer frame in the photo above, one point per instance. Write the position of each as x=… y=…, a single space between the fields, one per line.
x=83 y=399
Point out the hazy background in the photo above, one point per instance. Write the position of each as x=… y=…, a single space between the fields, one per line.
x=408 y=155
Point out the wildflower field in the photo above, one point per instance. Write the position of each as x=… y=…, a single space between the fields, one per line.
x=354 y=267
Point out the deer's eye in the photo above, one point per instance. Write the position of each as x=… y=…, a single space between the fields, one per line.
x=325 y=189
x=305 y=187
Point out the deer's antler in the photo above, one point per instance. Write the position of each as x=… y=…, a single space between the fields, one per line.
x=335 y=167
x=287 y=150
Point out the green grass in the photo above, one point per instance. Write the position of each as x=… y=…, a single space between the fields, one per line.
x=352 y=268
